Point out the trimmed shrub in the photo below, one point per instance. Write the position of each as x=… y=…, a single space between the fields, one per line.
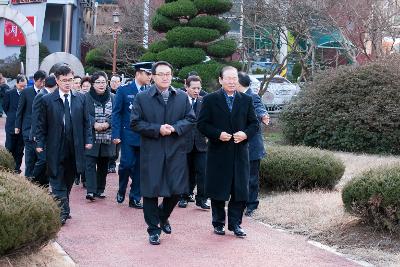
x=159 y=46
x=29 y=217
x=208 y=72
x=161 y=23
x=223 y=48
x=186 y=36
x=180 y=8
x=95 y=57
x=349 y=109
x=211 y=22
x=180 y=57
x=296 y=167
x=213 y=7
x=374 y=196
x=149 y=56
x=6 y=159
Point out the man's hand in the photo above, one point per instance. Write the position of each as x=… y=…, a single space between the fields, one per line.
x=265 y=119
x=225 y=137
x=170 y=127
x=117 y=141
x=165 y=129
x=239 y=137
x=16 y=130
x=39 y=150
x=88 y=146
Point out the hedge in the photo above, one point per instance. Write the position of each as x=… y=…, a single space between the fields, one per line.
x=221 y=49
x=374 y=196
x=149 y=56
x=180 y=8
x=187 y=36
x=349 y=109
x=180 y=57
x=162 y=23
x=29 y=217
x=159 y=46
x=297 y=167
x=6 y=160
x=207 y=71
x=213 y=7
x=211 y=22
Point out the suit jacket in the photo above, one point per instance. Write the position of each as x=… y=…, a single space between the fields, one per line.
x=121 y=116
x=228 y=165
x=37 y=101
x=10 y=106
x=256 y=144
x=50 y=129
x=23 y=120
x=194 y=138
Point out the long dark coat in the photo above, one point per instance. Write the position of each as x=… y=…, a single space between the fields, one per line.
x=227 y=162
x=49 y=132
x=163 y=166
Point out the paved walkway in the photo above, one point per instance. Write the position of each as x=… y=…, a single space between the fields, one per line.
x=104 y=233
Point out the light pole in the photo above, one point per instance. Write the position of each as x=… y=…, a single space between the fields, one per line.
x=115 y=37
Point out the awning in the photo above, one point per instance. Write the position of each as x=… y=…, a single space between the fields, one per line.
x=329 y=39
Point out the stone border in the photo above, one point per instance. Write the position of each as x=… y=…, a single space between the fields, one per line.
x=68 y=260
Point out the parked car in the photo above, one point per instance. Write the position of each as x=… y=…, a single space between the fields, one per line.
x=280 y=91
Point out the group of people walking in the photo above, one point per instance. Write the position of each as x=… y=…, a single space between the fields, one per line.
x=171 y=141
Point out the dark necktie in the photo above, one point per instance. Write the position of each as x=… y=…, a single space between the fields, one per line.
x=67 y=116
x=230 y=102
x=142 y=88
x=193 y=102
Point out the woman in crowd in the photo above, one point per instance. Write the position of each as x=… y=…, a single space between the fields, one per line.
x=100 y=102
x=85 y=84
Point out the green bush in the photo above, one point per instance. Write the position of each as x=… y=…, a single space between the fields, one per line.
x=159 y=46
x=29 y=217
x=223 y=48
x=95 y=57
x=296 y=167
x=213 y=7
x=349 y=109
x=6 y=159
x=374 y=196
x=187 y=36
x=210 y=22
x=180 y=8
x=207 y=71
x=149 y=56
x=180 y=57
x=161 y=23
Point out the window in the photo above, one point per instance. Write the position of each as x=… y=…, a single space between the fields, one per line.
x=55 y=30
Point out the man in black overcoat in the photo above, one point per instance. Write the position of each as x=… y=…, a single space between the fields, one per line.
x=228 y=120
x=162 y=116
x=64 y=130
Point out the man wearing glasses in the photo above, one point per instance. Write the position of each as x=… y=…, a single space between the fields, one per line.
x=129 y=140
x=63 y=128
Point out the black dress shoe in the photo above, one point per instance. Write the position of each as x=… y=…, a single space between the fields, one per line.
x=84 y=184
x=182 y=203
x=111 y=170
x=154 y=239
x=191 y=198
x=166 y=227
x=90 y=196
x=219 y=230
x=237 y=230
x=100 y=195
x=120 y=198
x=249 y=213
x=135 y=204
x=203 y=205
x=63 y=219
x=77 y=180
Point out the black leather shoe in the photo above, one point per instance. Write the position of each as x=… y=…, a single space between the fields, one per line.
x=249 y=213
x=182 y=203
x=166 y=227
x=219 y=230
x=84 y=184
x=135 y=204
x=191 y=198
x=111 y=170
x=77 y=180
x=101 y=195
x=90 y=196
x=237 y=230
x=154 y=239
x=63 y=219
x=203 y=205
x=120 y=198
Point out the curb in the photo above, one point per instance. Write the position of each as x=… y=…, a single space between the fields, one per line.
x=67 y=259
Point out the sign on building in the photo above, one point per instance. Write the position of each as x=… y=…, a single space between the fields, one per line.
x=13 y=35
x=17 y=2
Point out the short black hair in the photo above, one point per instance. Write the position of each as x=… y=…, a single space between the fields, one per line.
x=160 y=63
x=63 y=70
x=97 y=75
x=221 y=73
x=118 y=76
x=50 y=81
x=39 y=75
x=77 y=76
x=21 y=78
x=193 y=78
x=244 y=79
x=86 y=79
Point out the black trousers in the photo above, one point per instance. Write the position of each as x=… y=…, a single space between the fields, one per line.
x=254 y=185
x=15 y=145
x=30 y=157
x=96 y=173
x=154 y=214
x=39 y=170
x=197 y=172
x=113 y=160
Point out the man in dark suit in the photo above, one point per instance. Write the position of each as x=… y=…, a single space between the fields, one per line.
x=196 y=148
x=228 y=120
x=23 y=120
x=256 y=144
x=122 y=133
x=39 y=170
x=64 y=130
x=162 y=116
x=14 y=142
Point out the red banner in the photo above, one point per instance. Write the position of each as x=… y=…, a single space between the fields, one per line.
x=17 y=2
x=13 y=35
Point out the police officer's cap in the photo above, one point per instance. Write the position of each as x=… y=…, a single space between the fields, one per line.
x=143 y=66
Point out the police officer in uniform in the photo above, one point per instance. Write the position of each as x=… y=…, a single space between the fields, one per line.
x=129 y=140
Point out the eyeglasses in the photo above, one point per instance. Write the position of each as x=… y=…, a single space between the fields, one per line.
x=67 y=80
x=100 y=82
x=163 y=74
